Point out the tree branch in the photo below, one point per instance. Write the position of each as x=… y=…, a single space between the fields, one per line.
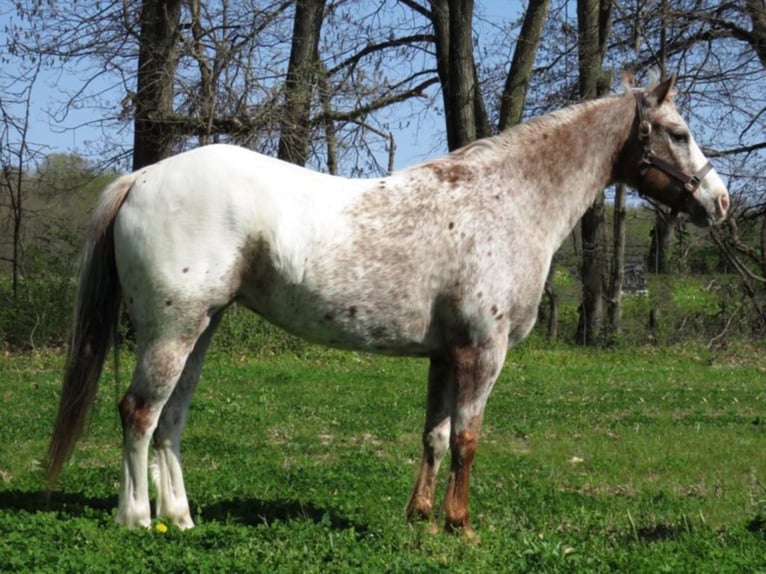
x=736 y=150
x=372 y=48
x=416 y=91
x=422 y=10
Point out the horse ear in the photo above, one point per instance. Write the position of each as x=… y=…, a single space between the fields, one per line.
x=627 y=80
x=664 y=90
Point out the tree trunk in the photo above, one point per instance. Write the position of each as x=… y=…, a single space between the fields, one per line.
x=12 y=181
x=464 y=109
x=591 y=310
x=329 y=126
x=153 y=137
x=593 y=22
x=206 y=80
x=302 y=74
x=657 y=259
x=756 y=9
x=617 y=274
x=553 y=305
x=515 y=91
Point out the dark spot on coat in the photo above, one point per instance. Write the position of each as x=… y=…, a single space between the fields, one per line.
x=451 y=225
x=352 y=311
x=499 y=317
x=479 y=295
x=168 y=303
x=329 y=316
x=448 y=170
x=494 y=309
x=185 y=270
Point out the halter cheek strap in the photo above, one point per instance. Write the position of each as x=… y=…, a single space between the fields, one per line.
x=648 y=159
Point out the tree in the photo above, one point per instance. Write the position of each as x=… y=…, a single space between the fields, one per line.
x=225 y=66
x=464 y=109
x=154 y=136
x=16 y=154
x=594 y=21
x=517 y=82
x=302 y=74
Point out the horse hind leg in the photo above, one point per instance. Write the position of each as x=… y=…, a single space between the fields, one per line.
x=436 y=437
x=166 y=471
x=476 y=368
x=159 y=365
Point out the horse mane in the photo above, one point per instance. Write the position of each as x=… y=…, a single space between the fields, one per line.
x=516 y=135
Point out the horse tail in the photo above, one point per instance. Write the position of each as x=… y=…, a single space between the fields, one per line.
x=94 y=328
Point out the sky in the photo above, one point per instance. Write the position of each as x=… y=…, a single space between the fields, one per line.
x=73 y=133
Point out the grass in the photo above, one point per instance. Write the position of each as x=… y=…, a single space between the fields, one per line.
x=634 y=459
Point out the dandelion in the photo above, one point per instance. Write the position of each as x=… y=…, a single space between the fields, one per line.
x=161 y=528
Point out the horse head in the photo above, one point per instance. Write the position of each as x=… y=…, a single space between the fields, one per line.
x=664 y=163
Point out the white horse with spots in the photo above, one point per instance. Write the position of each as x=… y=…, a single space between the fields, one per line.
x=446 y=260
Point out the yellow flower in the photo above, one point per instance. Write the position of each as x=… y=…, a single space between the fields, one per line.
x=161 y=528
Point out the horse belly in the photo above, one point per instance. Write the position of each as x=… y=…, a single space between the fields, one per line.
x=309 y=278
x=347 y=323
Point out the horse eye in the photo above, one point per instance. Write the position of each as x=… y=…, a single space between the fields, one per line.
x=680 y=137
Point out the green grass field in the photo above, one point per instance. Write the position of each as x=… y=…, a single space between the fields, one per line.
x=625 y=460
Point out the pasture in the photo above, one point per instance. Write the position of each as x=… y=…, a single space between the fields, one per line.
x=633 y=459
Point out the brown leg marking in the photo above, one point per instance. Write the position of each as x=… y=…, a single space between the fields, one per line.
x=420 y=506
x=435 y=443
x=456 y=500
x=135 y=414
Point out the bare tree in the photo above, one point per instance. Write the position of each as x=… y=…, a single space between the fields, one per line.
x=465 y=113
x=617 y=266
x=517 y=81
x=302 y=73
x=16 y=154
x=594 y=22
x=153 y=134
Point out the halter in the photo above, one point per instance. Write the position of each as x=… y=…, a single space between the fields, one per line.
x=648 y=159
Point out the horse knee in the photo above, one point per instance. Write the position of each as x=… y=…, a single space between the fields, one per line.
x=464 y=447
x=437 y=440
x=135 y=414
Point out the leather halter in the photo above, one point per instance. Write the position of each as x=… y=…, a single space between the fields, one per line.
x=648 y=159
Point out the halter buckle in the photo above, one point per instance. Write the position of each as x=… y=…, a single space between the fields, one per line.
x=693 y=183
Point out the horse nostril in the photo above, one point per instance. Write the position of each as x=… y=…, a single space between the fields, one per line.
x=723 y=203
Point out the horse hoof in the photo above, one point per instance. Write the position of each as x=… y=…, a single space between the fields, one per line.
x=464 y=531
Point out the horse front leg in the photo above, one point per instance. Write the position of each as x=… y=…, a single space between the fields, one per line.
x=436 y=436
x=476 y=368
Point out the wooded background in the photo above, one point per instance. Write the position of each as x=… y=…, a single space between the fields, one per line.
x=333 y=84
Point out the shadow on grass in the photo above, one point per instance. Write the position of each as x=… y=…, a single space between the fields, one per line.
x=260 y=512
x=70 y=503
x=248 y=512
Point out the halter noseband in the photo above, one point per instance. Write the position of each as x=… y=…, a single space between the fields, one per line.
x=648 y=159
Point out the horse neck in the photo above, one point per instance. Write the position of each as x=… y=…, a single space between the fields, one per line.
x=562 y=161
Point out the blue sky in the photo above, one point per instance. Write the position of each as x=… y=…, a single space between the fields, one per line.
x=52 y=131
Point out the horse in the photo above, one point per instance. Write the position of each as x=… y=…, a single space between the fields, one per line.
x=446 y=260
